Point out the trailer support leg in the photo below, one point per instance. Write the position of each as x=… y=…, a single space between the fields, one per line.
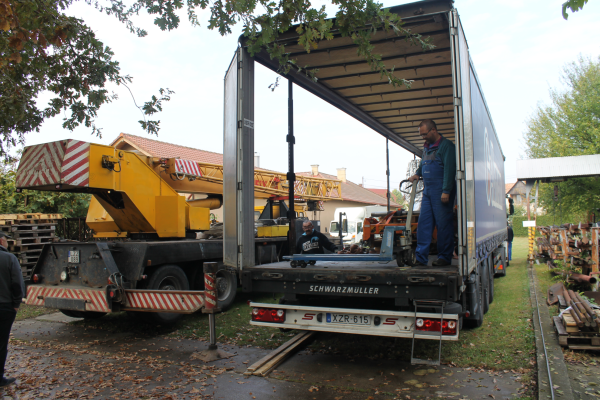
x=211 y=297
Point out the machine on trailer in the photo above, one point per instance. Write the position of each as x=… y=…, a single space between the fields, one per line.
x=391 y=298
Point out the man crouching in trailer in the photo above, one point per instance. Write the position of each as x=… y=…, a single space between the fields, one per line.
x=313 y=242
x=438 y=170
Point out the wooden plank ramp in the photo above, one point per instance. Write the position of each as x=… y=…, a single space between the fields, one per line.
x=268 y=363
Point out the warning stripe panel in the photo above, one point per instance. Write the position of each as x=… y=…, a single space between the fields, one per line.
x=147 y=300
x=76 y=163
x=187 y=167
x=40 y=164
x=95 y=299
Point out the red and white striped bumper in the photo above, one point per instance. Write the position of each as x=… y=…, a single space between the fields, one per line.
x=183 y=302
x=95 y=299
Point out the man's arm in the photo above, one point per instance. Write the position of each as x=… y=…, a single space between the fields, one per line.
x=16 y=283
x=449 y=160
x=327 y=243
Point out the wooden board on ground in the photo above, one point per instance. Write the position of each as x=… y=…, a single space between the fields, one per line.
x=267 y=364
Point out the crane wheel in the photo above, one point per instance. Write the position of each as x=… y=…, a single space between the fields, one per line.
x=168 y=277
x=302 y=264
x=293 y=264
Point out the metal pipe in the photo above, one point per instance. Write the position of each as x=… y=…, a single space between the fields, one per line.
x=387 y=170
x=588 y=309
x=291 y=176
x=583 y=279
x=213 y=332
x=576 y=317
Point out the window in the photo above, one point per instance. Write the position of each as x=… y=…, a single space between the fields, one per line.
x=359 y=226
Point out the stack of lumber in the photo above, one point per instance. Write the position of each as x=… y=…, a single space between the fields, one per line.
x=29 y=234
x=576 y=245
x=578 y=326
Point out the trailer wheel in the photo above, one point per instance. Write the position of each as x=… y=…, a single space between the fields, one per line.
x=407 y=257
x=226 y=288
x=168 y=277
x=83 y=314
x=485 y=281
x=477 y=320
x=491 y=275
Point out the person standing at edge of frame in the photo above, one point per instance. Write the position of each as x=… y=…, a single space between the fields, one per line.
x=11 y=296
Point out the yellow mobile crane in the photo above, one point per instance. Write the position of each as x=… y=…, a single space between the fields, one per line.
x=138 y=199
x=138 y=196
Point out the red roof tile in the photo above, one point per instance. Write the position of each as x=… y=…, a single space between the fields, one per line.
x=379 y=192
x=157 y=148
x=508 y=187
x=353 y=192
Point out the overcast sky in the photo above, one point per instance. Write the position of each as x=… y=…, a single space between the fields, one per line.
x=518 y=47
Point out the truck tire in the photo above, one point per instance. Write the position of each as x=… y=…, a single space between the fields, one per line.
x=83 y=314
x=226 y=288
x=491 y=275
x=485 y=283
x=167 y=277
x=476 y=320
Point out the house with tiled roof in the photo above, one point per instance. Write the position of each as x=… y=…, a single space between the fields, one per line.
x=353 y=195
x=516 y=191
x=156 y=148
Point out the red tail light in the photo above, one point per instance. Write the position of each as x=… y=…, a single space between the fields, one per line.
x=36 y=278
x=268 y=315
x=501 y=267
x=448 y=327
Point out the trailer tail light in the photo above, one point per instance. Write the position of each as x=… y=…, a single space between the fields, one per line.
x=268 y=315
x=501 y=267
x=36 y=278
x=433 y=325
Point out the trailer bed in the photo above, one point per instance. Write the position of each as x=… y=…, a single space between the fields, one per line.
x=366 y=279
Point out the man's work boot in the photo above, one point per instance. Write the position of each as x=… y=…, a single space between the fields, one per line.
x=419 y=264
x=7 y=381
x=440 y=262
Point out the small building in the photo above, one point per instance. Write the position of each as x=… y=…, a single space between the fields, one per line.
x=516 y=191
x=353 y=195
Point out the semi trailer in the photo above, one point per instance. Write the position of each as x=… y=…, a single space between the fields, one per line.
x=380 y=294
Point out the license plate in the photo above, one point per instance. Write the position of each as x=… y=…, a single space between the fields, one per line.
x=73 y=257
x=348 y=319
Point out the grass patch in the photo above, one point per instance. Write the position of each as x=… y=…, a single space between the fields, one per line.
x=27 y=311
x=506 y=341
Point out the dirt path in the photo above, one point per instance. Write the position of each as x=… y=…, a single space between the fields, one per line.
x=53 y=359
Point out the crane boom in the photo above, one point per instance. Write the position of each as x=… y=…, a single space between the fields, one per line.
x=271 y=183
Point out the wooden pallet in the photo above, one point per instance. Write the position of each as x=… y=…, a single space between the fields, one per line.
x=576 y=341
x=34 y=227
x=29 y=233
x=33 y=240
x=30 y=216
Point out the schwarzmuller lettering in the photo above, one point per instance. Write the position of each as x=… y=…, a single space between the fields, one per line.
x=344 y=289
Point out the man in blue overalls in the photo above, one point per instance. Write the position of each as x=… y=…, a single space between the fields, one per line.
x=438 y=170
